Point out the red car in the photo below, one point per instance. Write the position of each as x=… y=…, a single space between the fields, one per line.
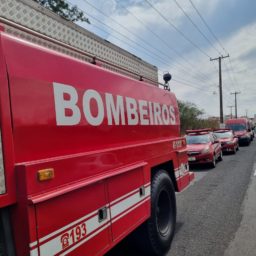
x=229 y=143
x=203 y=147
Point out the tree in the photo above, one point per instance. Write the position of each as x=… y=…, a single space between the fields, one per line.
x=64 y=9
x=190 y=117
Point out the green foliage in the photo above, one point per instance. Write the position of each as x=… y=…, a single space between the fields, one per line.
x=64 y=10
x=191 y=117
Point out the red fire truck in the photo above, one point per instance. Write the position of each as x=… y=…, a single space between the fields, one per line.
x=242 y=129
x=90 y=146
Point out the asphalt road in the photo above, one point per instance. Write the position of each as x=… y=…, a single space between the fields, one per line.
x=210 y=211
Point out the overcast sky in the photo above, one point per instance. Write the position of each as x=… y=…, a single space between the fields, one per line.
x=175 y=39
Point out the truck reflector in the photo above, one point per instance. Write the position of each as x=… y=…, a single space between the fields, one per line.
x=2 y=177
x=45 y=174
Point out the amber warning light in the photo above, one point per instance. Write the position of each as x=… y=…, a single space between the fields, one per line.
x=45 y=174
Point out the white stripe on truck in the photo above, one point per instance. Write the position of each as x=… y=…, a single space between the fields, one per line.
x=65 y=239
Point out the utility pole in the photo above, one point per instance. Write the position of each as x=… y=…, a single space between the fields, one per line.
x=235 y=93
x=220 y=86
x=231 y=107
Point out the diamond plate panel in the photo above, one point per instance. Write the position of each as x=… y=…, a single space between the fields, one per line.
x=33 y=16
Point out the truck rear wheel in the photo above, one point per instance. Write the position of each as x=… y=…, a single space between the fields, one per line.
x=156 y=234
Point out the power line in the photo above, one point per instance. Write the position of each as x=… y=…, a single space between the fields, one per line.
x=210 y=30
x=193 y=5
x=125 y=28
x=204 y=90
x=160 y=59
x=197 y=28
x=230 y=76
x=233 y=72
x=230 y=80
x=144 y=41
x=177 y=30
x=189 y=84
x=166 y=44
x=180 y=81
x=208 y=27
x=145 y=51
x=148 y=52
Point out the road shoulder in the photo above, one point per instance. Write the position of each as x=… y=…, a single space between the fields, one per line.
x=244 y=240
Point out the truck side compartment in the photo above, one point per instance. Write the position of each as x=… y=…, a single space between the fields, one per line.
x=87 y=162
x=91 y=147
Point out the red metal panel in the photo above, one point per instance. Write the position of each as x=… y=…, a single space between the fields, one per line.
x=33 y=70
x=127 y=205
x=84 y=169
x=89 y=249
x=23 y=216
x=184 y=181
x=71 y=221
x=84 y=157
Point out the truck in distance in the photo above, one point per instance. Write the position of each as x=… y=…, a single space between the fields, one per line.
x=242 y=129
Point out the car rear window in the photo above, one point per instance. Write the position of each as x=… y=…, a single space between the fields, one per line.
x=198 y=139
x=223 y=135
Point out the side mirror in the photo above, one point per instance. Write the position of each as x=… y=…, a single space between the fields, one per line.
x=216 y=141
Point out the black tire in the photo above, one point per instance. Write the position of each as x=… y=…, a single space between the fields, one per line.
x=154 y=237
x=220 y=158
x=213 y=163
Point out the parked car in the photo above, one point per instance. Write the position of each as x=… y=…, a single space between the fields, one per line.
x=229 y=142
x=203 y=147
x=242 y=129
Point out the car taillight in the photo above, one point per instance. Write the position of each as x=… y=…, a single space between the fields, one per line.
x=2 y=176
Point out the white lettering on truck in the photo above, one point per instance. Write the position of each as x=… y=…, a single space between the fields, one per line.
x=61 y=104
x=89 y=96
x=119 y=110
x=115 y=111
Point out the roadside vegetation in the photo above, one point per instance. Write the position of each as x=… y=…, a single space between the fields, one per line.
x=64 y=9
x=191 y=117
